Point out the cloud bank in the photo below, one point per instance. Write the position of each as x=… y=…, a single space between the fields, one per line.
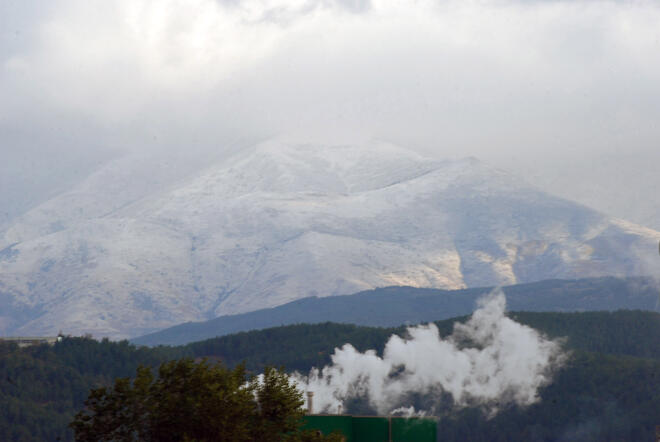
x=450 y=77
x=532 y=86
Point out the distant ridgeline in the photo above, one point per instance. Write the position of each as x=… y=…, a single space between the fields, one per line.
x=392 y=306
x=608 y=390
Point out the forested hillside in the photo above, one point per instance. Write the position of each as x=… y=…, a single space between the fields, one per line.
x=297 y=347
x=392 y=306
x=609 y=389
x=42 y=386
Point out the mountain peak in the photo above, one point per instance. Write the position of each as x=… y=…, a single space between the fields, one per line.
x=280 y=166
x=286 y=220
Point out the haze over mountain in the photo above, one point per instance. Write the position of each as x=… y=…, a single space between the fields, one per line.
x=136 y=246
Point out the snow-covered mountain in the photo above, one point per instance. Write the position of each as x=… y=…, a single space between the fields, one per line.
x=284 y=221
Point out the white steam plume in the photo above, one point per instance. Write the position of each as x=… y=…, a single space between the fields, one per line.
x=489 y=361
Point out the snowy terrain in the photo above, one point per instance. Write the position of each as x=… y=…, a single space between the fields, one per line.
x=137 y=247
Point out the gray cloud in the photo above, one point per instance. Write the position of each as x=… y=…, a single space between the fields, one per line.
x=502 y=80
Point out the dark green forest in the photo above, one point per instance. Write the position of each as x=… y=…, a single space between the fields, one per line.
x=392 y=306
x=609 y=389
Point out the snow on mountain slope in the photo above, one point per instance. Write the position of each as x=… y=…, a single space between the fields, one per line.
x=284 y=221
x=101 y=274
x=119 y=183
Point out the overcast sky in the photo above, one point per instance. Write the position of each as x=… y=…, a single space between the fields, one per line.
x=506 y=81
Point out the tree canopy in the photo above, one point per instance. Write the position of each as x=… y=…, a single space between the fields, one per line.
x=196 y=401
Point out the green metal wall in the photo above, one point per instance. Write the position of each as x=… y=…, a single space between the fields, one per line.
x=371 y=429
x=328 y=424
x=375 y=429
x=414 y=429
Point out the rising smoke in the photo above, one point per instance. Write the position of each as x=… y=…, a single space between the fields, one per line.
x=490 y=361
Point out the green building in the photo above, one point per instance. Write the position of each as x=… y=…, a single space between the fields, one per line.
x=375 y=429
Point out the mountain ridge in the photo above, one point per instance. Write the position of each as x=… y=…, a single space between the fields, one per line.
x=392 y=306
x=285 y=221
